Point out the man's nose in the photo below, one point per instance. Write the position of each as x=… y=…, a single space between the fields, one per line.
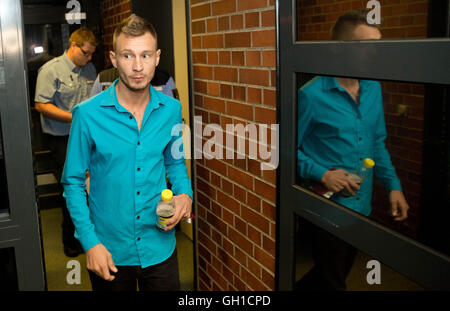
x=137 y=64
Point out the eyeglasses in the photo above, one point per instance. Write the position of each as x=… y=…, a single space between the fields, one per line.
x=85 y=53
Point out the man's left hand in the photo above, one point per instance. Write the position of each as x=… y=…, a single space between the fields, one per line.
x=399 y=206
x=183 y=208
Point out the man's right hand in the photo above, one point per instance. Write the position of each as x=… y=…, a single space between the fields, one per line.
x=99 y=261
x=337 y=180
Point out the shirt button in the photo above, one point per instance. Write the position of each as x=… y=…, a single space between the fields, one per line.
x=138 y=239
x=139 y=143
x=138 y=168
x=138 y=193
x=360 y=138
x=138 y=217
x=131 y=117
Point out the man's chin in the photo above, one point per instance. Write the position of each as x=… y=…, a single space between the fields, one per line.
x=136 y=88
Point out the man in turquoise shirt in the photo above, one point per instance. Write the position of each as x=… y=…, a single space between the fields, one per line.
x=340 y=123
x=123 y=137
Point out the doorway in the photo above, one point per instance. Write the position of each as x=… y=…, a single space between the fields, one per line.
x=42 y=42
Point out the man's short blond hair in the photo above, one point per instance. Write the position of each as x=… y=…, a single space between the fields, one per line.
x=135 y=26
x=82 y=35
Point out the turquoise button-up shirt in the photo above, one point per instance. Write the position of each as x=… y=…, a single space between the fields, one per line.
x=127 y=174
x=336 y=132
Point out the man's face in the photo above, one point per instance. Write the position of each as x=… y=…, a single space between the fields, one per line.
x=82 y=54
x=364 y=32
x=136 y=59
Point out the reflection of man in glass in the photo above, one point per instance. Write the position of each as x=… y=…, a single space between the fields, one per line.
x=340 y=123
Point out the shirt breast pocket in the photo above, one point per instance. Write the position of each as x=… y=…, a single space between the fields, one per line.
x=66 y=92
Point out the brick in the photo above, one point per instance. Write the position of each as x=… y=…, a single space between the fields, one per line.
x=263 y=38
x=237 y=58
x=254 y=95
x=212 y=41
x=224 y=23
x=265 y=190
x=251 y=4
x=254 y=76
x=198 y=27
x=227 y=201
x=237 y=21
x=269 y=58
x=264 y=258
x=252 y=58
x=203 y=72
x=239 y=93
x=265 y=115
x=211 y=24
x=270 y=97
x=268 y=210
x=268 y=18
x=240 y=240
x=240 y=110
x=252 y=20
x=223 y=7
x=224 y=57
x=238 y=39
x=214 y=104
x=200 y=86
x=213 y=88
x=225 y=74
x=255 y=219
x=253 y=282
x=199 y=57
x=240 y=177
x=225 y=91
x=200 y=11
x=213 y=57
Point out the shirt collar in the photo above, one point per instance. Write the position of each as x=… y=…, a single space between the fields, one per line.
x=330 y=83
x=68 y=62
x=155 y=99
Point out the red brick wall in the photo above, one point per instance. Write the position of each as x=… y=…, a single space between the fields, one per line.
x=400 y=20
x=234 y=59
x=113 y=12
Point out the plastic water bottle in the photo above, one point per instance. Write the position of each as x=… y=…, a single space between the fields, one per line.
x=360 y=174
x=165 y=208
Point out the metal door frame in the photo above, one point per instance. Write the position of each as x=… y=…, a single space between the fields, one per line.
x=21 y=229
x=395 y=60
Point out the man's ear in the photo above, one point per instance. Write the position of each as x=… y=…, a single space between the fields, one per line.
x=158 y=55
x=112 y=57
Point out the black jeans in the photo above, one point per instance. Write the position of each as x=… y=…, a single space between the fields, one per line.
x=333 y=260
x=160 y=277
x=58 y=147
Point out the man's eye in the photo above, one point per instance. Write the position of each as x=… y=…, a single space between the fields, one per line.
x=127 y=56
x=147 y=56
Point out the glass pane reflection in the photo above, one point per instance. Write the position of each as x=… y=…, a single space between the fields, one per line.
x=361 y=273
x=335 y=131
x=397 y=19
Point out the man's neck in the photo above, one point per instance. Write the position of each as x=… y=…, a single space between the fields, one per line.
x=70 y=56
x=132 y=99
x=347 y=83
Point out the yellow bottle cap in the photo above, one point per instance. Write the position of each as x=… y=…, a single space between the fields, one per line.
x=167 y=195
x=369 y=163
